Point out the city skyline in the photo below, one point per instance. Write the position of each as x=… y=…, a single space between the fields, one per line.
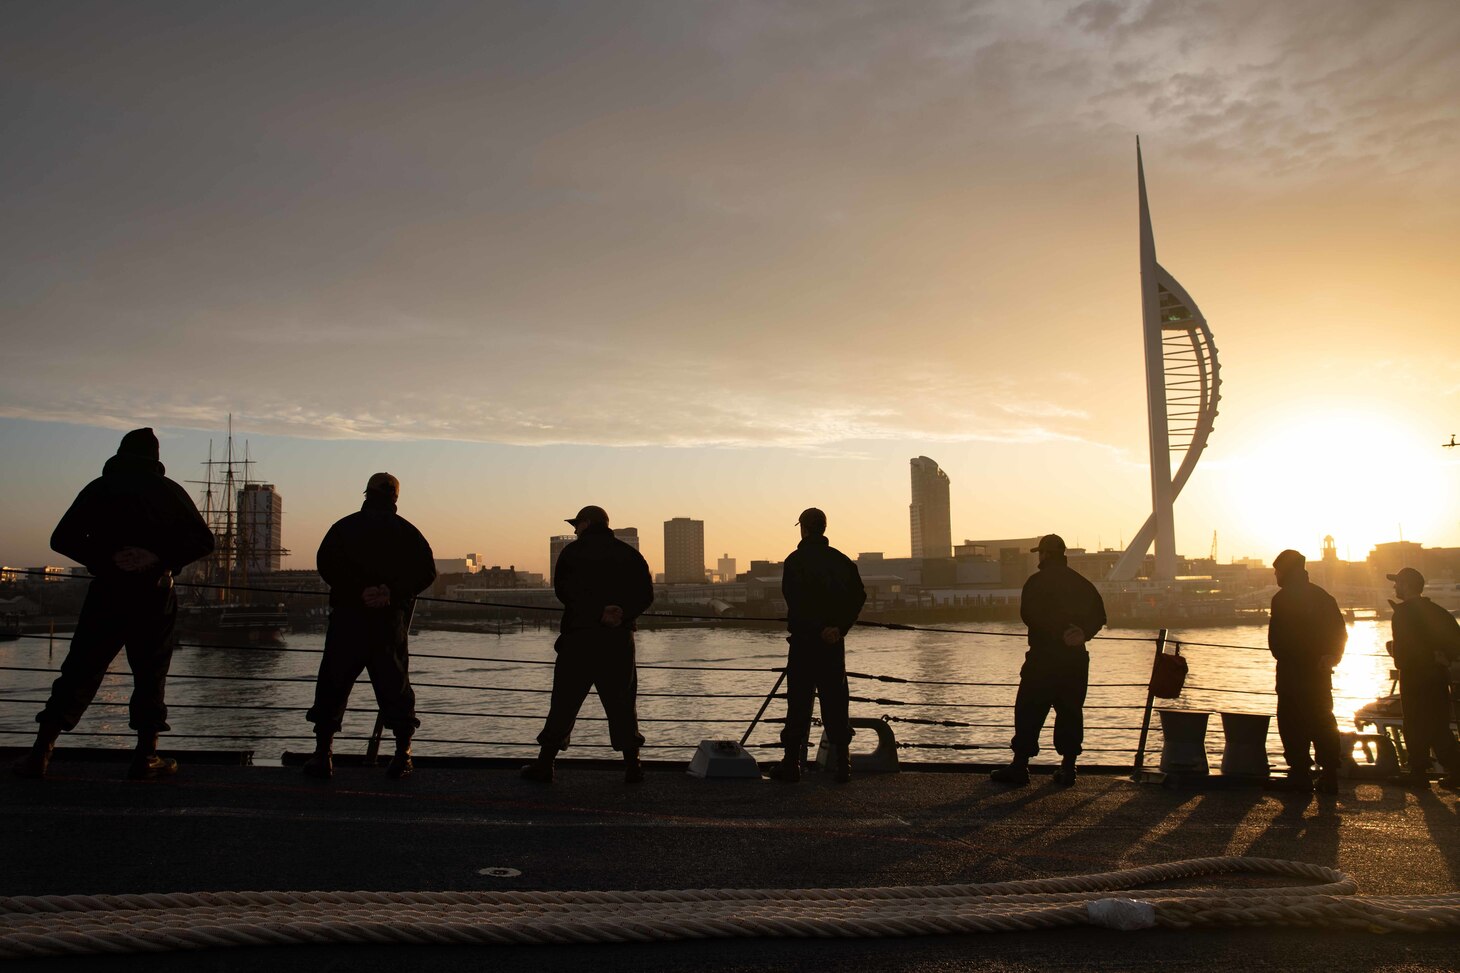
x=737 y=260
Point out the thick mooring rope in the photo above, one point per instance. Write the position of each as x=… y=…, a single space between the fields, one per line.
x=59 y=925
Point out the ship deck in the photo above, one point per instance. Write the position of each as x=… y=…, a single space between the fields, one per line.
x=253 y=828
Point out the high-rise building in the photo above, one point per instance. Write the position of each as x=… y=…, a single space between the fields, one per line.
x=555 y=547
x=684 y=551
x=260 y=529
x=629 y=535
x=931 y=519
x=1183 y=386
x=726 y=568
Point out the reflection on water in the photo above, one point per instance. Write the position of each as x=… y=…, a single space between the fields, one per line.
x=261 y=704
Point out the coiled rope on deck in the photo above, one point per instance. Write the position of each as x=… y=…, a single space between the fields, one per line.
x=33 y=926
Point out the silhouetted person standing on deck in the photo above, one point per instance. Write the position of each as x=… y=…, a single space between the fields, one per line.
x=1063 y=611
x=376 y=563
x=1426 y=641
x=604 y=585
x=134 y=529
x=1306 y=635
x=824 y=594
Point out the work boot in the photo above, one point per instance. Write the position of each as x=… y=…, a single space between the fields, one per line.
x=1017 y=773
x=321 y=765
x=401 y=765
x=633 y=770
x=541 y=769
x=146 y=764
x=1327 y=781
x=33 y=765
x=1065 y=775
x=841 y=755
x=1416 y=779
x=787 y=770
x=1451 y=782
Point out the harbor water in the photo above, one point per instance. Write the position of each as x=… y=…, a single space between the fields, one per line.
x=486 y=695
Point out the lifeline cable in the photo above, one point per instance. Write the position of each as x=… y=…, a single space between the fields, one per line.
x=32 y=926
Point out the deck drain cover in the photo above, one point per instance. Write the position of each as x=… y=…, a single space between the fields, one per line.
x=499 y=872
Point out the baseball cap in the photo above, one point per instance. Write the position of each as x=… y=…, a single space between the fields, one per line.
x=1409 y=575
x=384 y=484
x=813 y=518
x=591 y=513
x=1049 y=544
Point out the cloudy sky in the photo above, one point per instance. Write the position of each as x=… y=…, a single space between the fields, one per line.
x=728 y=260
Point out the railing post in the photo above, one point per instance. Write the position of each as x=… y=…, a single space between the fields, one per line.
x=769 y=696
x=1150 y=700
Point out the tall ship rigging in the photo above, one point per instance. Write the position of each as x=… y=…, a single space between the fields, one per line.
x=245 y=518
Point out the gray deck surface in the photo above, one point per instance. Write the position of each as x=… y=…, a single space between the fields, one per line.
x=213 y=828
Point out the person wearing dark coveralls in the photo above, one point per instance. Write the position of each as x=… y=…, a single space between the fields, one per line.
x=376 y=562
x=133 y=529
x=1426 y=640
x=1306 y=635
x=824 y=594
x=1063 y=612
x=604 y=585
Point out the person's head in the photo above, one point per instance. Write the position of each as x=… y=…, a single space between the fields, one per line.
x=1050 y=546
x=812 y=522
x=383 y=486
x=141 y=443
x=1408 y=583
x=1289 y=566
x=589 y=516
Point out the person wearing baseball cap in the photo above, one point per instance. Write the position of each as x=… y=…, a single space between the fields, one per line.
x=604 y=585
x=376 y=562
x=1063 y=612
x=1306 y=635
x=824 y=594
x=134 y=529
x=1426 y=640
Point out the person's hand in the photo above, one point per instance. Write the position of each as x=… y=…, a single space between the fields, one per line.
x=377 y=596
x=134 y=559
x=1074 y=637
x=831 y=635
x=613 y=616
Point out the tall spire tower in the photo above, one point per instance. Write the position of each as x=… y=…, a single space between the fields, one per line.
x=1182 y=390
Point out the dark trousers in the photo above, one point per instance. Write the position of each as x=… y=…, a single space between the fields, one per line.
x=1058 y=682
x=813 y=669
x=606 y=665
x=1427 y=715
x=1304 y=717
x=117 y=613
x=372 y=640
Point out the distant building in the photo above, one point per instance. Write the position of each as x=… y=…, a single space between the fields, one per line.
x=556 y=543
x=260 y=529
x=456 y=565
x=629 y=535
x=929 y=513
x=725 y=568
x=496 y=576
x=684 y=551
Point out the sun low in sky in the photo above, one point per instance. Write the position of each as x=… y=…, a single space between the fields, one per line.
x=729 y=261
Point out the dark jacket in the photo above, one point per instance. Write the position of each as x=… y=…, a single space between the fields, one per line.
x=1305 y=626
x=598 y=570
x=1422 y=628
x=1054 y=598
x=132 y=504
x=373 y=547
x=822 y=588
